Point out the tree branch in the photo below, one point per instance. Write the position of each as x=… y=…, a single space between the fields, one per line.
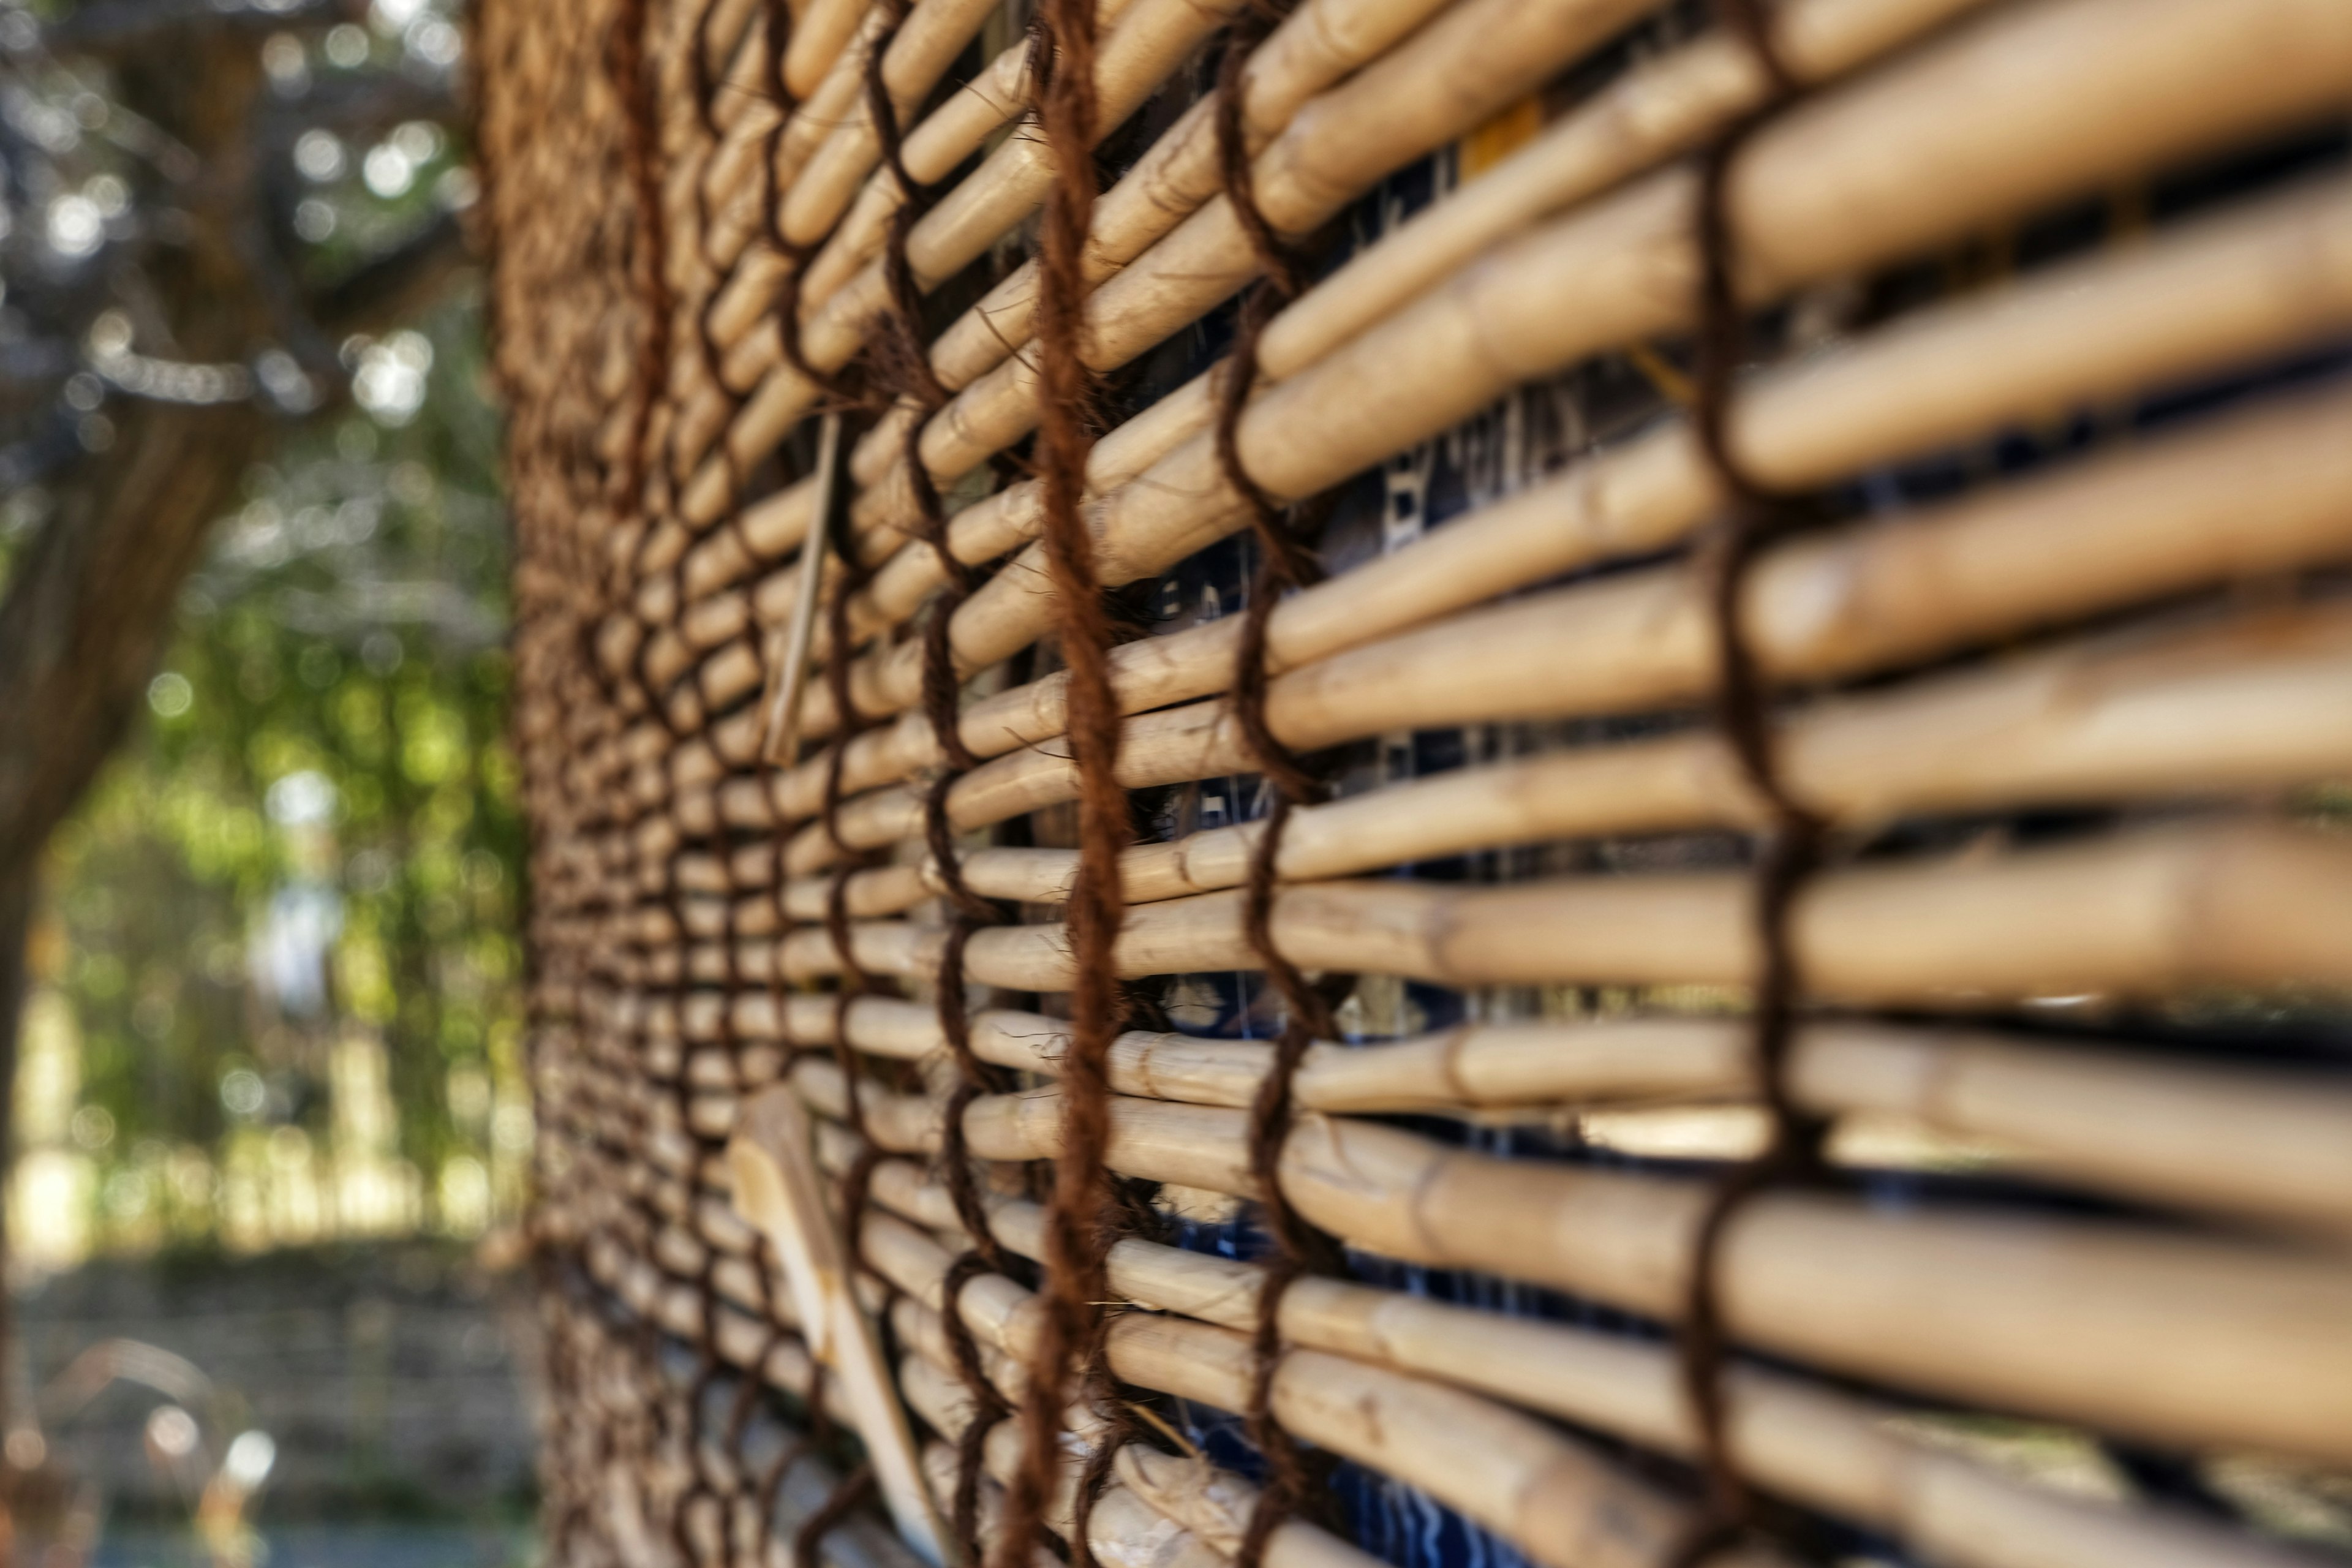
x=396 y=285
x=113 y=26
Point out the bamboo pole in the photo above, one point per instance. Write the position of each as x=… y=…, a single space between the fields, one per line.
x=1317 y=45
x=2246 y=705
x=789 y=657
x=1129 y=1526
x=737 y=73
x=821 y=31
x=2087 y=720
x=997 y=98
x=732 y=185
x=2056 y=1317
x=1123 y=1530
x=1209 y=1506
x=932 y=148
x=776 y=1189
x=2145 y=913
x=1829 y=1449
x=2270 y=1144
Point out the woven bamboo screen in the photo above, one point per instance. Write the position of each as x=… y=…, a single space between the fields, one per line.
x=1440 y=781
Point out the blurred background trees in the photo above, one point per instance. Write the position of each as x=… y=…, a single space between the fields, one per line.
x=250 y=525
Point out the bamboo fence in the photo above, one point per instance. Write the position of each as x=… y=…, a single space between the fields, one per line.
x=1417 y=780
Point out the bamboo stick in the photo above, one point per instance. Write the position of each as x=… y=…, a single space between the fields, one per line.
x=932 y=148
x=1713 y=71
x=821 y=31
x=1123 y=1530
x=2269 y=1143
x=1129 y=1526
x=2245 y=705
x=1826 y=1449
x=790 y=658
x=2056 y=1317
x=730 y=185
x=777 y=1190
x=995 y=99
x=1209 y=1506
x=2086 y=721
x=2143 y=913
x=738 y=86
x=1314 y=47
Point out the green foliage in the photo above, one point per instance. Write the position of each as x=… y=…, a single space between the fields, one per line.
x=347 y=627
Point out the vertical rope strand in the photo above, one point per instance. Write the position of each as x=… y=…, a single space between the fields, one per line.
x=1081 y=1198
x=1286 y=563
x=1791 y=849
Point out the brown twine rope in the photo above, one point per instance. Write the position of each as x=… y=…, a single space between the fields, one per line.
x=1285 y=563
x=707 y=1366
x=705 y=76
x=771 y=1481
x=907 y=362
x=747 y=1399
x=809 y=1539
x=1792 y=850
x=627 y=57
x=989 y=1407
x=1120 y=1429
x=1076 y=1234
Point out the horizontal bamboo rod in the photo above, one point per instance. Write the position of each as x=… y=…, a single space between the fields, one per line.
x=2268 y=1142
x=990 y=105
x=820 y=30
x=733 y=184
x=2258 y=492
x=1554 y=1497
x=921 y=49
x=746 y=113
x=2145 y=913
x=743 y=1340
x=932 y=148
x=2063 y=1318
x=1810 y=1443
x=2102 y=718
x=999 y=96
x=2255 y=703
